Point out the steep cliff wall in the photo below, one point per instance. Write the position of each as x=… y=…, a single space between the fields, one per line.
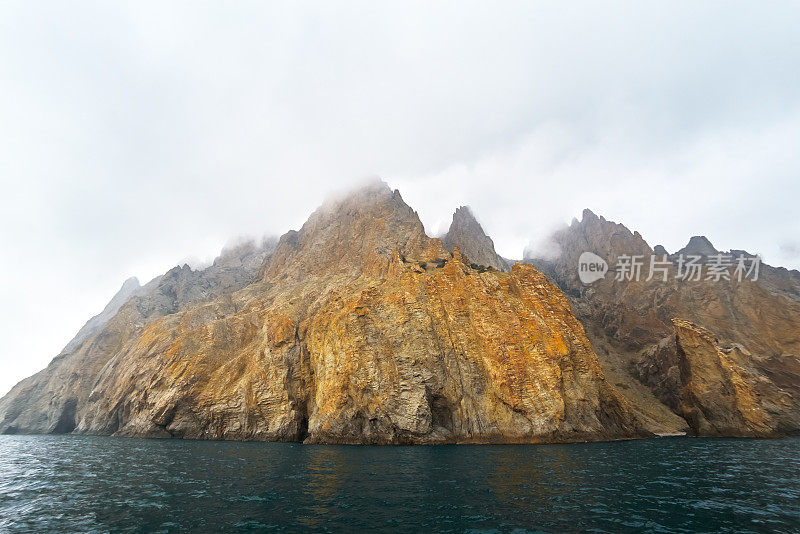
x=357 y=329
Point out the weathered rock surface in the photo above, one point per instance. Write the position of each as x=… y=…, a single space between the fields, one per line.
x=358 y=328
x=467 y=234
x=719 y=391
x=630 y=325
x=50 y=400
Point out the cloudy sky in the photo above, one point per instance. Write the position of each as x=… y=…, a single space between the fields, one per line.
x=137 y=135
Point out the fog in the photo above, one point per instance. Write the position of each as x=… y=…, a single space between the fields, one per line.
x=136 y=137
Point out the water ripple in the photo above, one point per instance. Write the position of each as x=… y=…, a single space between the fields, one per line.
x=89 y=484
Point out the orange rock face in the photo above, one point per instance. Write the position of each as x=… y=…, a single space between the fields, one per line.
x=357 y=329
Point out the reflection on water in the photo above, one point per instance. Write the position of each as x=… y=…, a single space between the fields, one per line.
x=327 y=467
x=531 y=477
x=71 y=483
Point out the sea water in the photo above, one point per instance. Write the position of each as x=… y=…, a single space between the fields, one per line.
x=96 y=484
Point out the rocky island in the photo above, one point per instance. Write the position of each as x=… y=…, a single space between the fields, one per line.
x=361 y=329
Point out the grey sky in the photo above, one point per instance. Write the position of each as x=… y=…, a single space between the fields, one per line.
x=134 y=137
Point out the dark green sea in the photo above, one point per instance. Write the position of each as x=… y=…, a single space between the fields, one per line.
x=92 y=484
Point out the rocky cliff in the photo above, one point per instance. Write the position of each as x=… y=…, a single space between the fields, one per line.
x=722 y=355
x=718 y=390
x=358 y=328
x=49 y=401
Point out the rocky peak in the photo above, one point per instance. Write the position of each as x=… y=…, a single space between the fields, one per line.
x=128 y=286
x=659 y=250
x=467 y=234
x=594 y=234
x=698 y=245
x=351 y=234
x=589 y=216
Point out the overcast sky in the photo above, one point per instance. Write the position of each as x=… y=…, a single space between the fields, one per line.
x=137 y=135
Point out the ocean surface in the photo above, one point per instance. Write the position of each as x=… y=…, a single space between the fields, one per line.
x=93 y=484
